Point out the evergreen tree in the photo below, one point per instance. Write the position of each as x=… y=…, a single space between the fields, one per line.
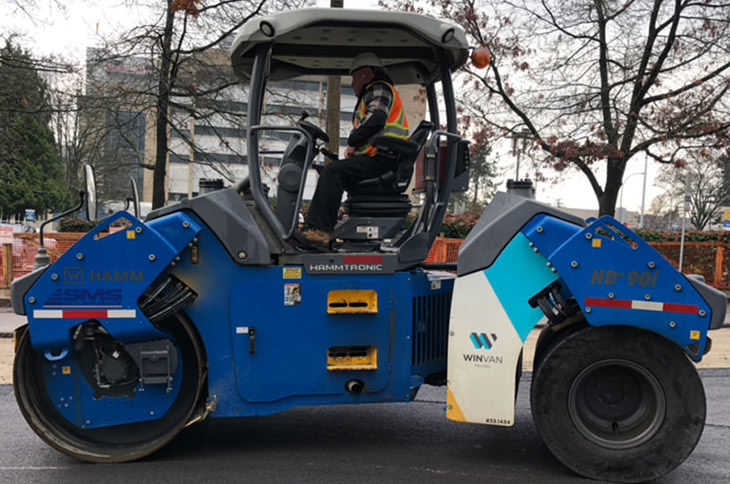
x=31 y=169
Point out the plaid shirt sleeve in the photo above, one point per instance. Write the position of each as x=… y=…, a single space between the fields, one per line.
x=378 y=98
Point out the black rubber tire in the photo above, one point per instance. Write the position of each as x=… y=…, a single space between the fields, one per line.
x=617 y=403
x=120 y=443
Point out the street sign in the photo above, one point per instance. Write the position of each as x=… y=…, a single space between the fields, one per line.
x=30 y=215
x=726 y=219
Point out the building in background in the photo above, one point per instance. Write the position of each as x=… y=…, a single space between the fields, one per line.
x=207 y=131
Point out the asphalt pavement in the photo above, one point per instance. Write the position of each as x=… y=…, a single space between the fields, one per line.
x=404 y=443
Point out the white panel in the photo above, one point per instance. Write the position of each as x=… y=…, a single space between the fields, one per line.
x=481 y=381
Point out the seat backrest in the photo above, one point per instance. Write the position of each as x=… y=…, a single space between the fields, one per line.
x=404 y=170
x=405 y=151
x=420 y=134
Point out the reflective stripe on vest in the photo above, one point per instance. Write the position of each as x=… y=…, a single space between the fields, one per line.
x=396 y=125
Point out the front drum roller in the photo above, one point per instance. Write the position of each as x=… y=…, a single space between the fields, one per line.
x=617 y=403
x=118 y=443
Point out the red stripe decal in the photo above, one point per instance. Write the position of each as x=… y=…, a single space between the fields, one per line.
x=608 y=303
x=681 y=308
x=362 y=259
x=624 y=304
x=84 y=314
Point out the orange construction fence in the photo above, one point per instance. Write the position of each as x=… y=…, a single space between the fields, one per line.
x=711 y=259
x=17 y=259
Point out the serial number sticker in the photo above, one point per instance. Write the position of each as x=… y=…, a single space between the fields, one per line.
x=292 y=272
x=610 y=277
x=597 y=243
x=694 y=335
x=131 y=234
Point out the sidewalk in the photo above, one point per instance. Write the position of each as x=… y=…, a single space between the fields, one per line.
x=9 y=321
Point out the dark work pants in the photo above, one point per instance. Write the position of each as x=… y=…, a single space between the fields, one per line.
x=337 y=177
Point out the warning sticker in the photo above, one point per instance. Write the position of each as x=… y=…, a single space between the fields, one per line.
x=292 y=294
x=292 y=272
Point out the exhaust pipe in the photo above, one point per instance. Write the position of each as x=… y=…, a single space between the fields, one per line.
x=355 y=386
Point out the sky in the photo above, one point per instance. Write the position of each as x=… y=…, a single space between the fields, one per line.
x=574 y=191
x=78 y=24
x=65 y=27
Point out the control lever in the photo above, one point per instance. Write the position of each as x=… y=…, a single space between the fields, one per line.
x=329 y=153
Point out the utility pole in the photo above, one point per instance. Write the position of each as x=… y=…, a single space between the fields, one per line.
x=685 y=209
x=334 y=85
x=643 y=191
x=519 y=142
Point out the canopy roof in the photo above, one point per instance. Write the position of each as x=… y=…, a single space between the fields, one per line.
x=326 y=40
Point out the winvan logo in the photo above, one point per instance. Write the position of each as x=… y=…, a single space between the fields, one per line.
x=482 y=340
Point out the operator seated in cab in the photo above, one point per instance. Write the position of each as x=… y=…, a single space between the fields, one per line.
x=379 y=111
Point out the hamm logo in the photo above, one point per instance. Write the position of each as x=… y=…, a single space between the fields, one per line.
x=482 y=340
x=73 y=276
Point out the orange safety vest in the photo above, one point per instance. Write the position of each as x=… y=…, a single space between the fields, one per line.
x=396 y=125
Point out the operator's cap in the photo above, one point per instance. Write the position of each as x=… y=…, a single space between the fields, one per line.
x=366 y=59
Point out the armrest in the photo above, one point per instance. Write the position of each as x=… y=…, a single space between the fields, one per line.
x=395 y=146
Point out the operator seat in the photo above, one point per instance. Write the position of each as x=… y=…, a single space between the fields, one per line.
x=383 y=196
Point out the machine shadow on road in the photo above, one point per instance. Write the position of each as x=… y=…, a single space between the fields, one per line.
x=409 y=442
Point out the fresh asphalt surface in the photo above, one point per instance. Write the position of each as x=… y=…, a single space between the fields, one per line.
x=385 y=443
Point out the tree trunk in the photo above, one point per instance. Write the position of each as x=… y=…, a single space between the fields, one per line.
x=333 y=103
x=607 y=199
x=159 y=192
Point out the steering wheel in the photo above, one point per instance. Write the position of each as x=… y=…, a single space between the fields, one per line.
x=314 y=131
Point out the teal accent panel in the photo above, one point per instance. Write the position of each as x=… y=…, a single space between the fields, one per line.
x=518 y=274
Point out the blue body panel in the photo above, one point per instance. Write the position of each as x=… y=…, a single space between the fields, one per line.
x=267 y=331
x=104 y=274
x=617 y=278
x=74 y=398
x=101 y=278
x=288 y=366
x=284 y=367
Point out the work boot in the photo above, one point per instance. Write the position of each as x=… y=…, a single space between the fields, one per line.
x=316 y=238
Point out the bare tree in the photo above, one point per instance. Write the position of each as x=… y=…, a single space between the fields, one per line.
x=180 y=77
x=596 y=82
